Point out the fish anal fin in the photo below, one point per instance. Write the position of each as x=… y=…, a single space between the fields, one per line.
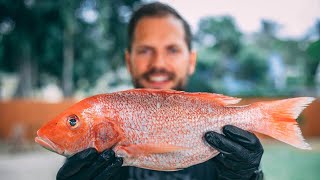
x=134 y=150
x=164 y=169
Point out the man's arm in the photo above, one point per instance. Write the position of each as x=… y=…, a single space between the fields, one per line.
x=240 y=153
x=89 y=164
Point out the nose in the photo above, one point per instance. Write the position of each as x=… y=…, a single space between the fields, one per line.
x=158 y=61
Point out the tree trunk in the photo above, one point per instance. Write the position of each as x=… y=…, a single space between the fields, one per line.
x=25 y=72
x=68 y=60
x=317 y=74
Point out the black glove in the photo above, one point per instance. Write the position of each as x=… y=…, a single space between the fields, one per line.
x=89 y=164
x=240 y=153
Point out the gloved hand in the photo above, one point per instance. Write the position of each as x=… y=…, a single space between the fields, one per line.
x=89 y=164
x=240 y=153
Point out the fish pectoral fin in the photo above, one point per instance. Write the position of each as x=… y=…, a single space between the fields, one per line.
x=147 y=149
x=106 y=134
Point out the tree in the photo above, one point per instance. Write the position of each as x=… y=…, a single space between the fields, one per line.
x=220 y=33
x=25 y=40
x=54 y=38
x=219 y=42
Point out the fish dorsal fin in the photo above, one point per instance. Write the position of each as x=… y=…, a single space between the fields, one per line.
x=134 y=150
x=218 y=98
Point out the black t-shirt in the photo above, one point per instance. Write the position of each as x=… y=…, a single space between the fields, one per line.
x=201 y=171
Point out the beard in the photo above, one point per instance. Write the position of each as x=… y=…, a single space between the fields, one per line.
x=179 y=86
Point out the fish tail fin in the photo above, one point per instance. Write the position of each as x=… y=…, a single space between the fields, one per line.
x=280 y=120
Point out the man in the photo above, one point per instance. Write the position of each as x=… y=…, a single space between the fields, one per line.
x=160 y=56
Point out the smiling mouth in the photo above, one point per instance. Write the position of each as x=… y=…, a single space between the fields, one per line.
x=158 y=78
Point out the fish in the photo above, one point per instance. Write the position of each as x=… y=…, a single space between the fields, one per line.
x=164 y=130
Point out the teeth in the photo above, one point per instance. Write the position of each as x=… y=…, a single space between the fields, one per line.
x=158 y=78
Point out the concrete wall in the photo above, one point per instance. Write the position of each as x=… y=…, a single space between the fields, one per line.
x=22 y=118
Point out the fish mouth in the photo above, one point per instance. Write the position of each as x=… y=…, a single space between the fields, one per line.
x=46 y=143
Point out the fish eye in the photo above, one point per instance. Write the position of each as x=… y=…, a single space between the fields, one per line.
x=73 y=121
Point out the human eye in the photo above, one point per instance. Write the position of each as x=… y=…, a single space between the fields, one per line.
x=173 y=50
x=142 y=51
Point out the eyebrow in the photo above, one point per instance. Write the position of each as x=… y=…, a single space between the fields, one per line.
x=173 y=45
x=144 y=46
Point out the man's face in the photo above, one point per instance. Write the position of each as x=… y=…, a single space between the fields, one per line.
x=159 y=56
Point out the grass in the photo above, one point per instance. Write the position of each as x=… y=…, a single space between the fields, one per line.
x=281 y=161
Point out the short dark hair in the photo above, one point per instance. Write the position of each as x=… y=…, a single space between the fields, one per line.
x=156 y=9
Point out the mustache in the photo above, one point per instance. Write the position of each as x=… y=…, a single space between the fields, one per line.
x=162 y=71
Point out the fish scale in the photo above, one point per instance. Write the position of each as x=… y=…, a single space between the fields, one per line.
x=169 y=118
x=164 y=129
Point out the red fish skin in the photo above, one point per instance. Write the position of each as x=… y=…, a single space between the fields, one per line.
x=164 y=129
x=169 y=119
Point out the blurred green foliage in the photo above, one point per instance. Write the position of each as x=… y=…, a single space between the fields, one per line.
x=258 y=64
x=312 y=64
x=74 y=43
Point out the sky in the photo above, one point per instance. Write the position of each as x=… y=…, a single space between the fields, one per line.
x=295 y=17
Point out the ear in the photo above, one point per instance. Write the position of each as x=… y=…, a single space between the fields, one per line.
x=106 y=135
x=128 y=63
x=193 y=62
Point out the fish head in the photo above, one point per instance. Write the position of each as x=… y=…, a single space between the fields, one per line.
x=68 y=133
x=85 y=124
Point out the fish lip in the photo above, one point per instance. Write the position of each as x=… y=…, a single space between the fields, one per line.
x=46 y=143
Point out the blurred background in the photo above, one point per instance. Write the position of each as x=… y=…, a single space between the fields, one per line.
x=54 y=53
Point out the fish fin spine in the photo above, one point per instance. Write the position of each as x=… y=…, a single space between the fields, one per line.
x=165 y=169
x=280 y=120
x=221 y=99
